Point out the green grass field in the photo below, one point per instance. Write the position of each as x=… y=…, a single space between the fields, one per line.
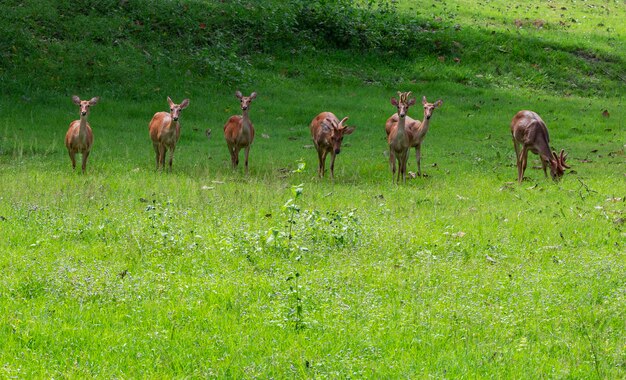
x=204 y=272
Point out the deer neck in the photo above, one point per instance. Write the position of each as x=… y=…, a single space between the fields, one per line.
x=543 y=150
x=245 y=122
x=401 y=136
x=424 y=125
x=82 y=128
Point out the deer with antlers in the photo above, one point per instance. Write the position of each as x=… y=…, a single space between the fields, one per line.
x=398 y=136
x=165 y=131
x=530 y=132
x=79 y=137
x=239 y=131
x=327 y=132
x=416 y=131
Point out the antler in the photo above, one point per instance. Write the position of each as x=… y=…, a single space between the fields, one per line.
x=562 y=158
x=404 y=96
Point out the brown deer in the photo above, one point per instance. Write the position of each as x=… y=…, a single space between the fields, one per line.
x=165 y=131
x=239 y=131
x=327 y=132
x=398 y=136
x=79 y=137
x=529 y=131
x=416 y=131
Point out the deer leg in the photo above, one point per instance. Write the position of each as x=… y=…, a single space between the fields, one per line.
x=85 y=156
x=235 y=157
x=405 y=158
x=392 y=161
x=522 y=164
x=517 y=155
x=247 y=152
x=332 y=164
x=320 y=162
x=323 y=163
x=162 y=152
x=171 y=156
x=401 y=159
x=73 y=158
x=156 y=154
x=393 y=167
x=231 y=150
x=418 y=157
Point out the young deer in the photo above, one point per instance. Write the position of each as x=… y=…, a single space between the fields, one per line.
x=327 y=132
x=239 y=132
x=416 y=131
x=79 y=137
x=165 y=131
x=529 y=131
x=398 y=136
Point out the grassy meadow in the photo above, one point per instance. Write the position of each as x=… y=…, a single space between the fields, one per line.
x=204 y=272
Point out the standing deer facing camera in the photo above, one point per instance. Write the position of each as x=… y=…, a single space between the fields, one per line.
x=327 y=132
x=529 y=131
x=398 y=136
x=239 y=132
x=79 y=137
x=165 y=131
x=416 y=131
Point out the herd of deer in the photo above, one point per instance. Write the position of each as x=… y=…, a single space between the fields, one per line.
x=527 y=129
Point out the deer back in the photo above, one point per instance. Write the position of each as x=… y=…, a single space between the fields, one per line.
x=528 y=129
x=321 y=128
x=391 y=123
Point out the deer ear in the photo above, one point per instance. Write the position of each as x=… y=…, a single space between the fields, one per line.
x=394 y=102
x=424 y=102
x=348 y=130
x=170 y=102
x=438 y=103
x=411 y=102
x=184 y=104
x=76 y=100
x=238 y=94
x=253 y=95
x=94 y=100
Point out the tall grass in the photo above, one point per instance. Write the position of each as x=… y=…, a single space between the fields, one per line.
x=207 y=272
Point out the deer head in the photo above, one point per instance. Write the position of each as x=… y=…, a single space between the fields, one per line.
x=404 y=103
x=429 y=107
x=245 y=100
x=84 y=104
x=337 y=131
x=176 y=108
x=558 y=165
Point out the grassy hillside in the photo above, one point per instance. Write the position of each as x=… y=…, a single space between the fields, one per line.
x=206 y=272
x=62 y=46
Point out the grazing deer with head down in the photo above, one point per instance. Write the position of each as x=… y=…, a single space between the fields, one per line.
x=327 y=132
x=239 y=131
x=529 y=131
x=398 y=136
x=416 y=130
x=79 y=137
x=165 y=131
